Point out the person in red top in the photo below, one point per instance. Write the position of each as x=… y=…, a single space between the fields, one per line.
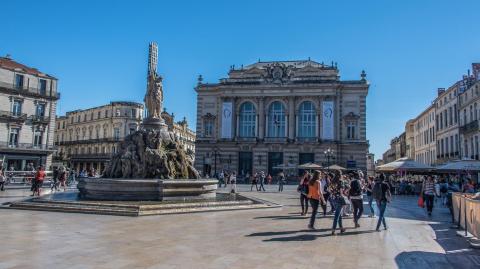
x=39 y=178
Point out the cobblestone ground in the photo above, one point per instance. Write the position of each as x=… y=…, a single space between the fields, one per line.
x=272 y=238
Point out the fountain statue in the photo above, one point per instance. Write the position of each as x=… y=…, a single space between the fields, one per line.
x=149 y=160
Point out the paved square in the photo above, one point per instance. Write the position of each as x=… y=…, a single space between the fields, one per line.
x=270 y=238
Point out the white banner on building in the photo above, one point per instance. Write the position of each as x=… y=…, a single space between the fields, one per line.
x=327 y=120
x=227 y=120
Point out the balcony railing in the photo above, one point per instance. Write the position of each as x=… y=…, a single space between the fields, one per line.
x=33 y=92
x=10 y=116
x=275 y=139
x=469 y=127
x=89 y=141
x=246 y=139
x=91 y=156
x=307 y=139
x=26 y=146
x=40 y=119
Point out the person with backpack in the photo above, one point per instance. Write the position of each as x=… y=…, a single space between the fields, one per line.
x=356 y=198
x=315 y=196
x=303 y=190
x=382 y=195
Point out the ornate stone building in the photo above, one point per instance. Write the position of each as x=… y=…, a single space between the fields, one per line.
x=424 y=136
x=469 y=106
x=281 y=112
x=87 y=138
x=28 y=101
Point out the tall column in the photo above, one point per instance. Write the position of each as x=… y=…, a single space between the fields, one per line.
x=261 y=118
x=291 y=117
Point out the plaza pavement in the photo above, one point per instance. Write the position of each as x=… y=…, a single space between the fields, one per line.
x=265 y=238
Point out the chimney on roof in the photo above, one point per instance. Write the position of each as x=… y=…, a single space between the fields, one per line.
x=440 y=91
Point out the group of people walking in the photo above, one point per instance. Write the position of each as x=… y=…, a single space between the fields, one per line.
x=343 y=192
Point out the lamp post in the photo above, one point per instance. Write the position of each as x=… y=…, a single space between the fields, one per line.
x=215 y=152
x=328 y=154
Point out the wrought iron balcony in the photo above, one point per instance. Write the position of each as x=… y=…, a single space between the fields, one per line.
x=91 y=156
x=90 y=141
x=26 y=146
x=275 y=139
x=32 y=92
x=10 y=116
x=307 y=139
x=469 y=127
x=39 y=119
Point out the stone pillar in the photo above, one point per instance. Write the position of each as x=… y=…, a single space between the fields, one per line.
x=261 y=118
x=291 y=118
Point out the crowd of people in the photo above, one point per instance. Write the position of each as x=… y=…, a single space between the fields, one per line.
x=343 y=193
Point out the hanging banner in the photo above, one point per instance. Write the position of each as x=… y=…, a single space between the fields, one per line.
x=227 y=120
x=327 y=120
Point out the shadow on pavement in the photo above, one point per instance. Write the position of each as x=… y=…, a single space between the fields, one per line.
x=311 y=236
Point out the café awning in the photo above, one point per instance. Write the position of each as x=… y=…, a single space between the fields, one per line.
x=405 y=165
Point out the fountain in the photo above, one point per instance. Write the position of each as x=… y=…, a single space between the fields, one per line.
x=150 y=174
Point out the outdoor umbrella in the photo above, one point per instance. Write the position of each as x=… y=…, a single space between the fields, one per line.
x=310 y=166
x=460 y=165
x=335 y=167
x=405 y=165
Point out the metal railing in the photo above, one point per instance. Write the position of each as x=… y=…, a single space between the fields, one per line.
x=469 y=127
x=13 y=116
x=25 y=146
x=38 y=118
x=27 y=91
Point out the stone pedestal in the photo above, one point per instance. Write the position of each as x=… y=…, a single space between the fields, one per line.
x=145 y=189
x=154 y=124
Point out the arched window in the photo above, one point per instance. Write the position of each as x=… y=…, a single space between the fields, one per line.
x=247 y=120
x=276 y=120
x=306 y=120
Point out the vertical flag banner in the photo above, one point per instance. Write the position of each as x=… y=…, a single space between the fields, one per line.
x=327 y=120
x=227 y=120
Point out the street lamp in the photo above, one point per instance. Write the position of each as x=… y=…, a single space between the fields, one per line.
x=328 y=154
x=215 y=152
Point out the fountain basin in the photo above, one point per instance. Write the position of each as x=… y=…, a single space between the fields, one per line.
x=114 y=189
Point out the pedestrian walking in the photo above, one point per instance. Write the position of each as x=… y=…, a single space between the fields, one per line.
x=254 y=179
x=356 y=198
x=62 y=178
x=2 y=180
x=303 y=190
x=382 y=196
x=221 y=179
x=262 y=181
x=337 y=190
x=281 y=181
x=233 y=183
x=369 y=191
x=428 y=192
x=38 y=180
x=315 y=196
x=54 y=179
x=324 y=184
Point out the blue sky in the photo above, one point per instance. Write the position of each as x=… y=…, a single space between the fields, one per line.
x=98 y=49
